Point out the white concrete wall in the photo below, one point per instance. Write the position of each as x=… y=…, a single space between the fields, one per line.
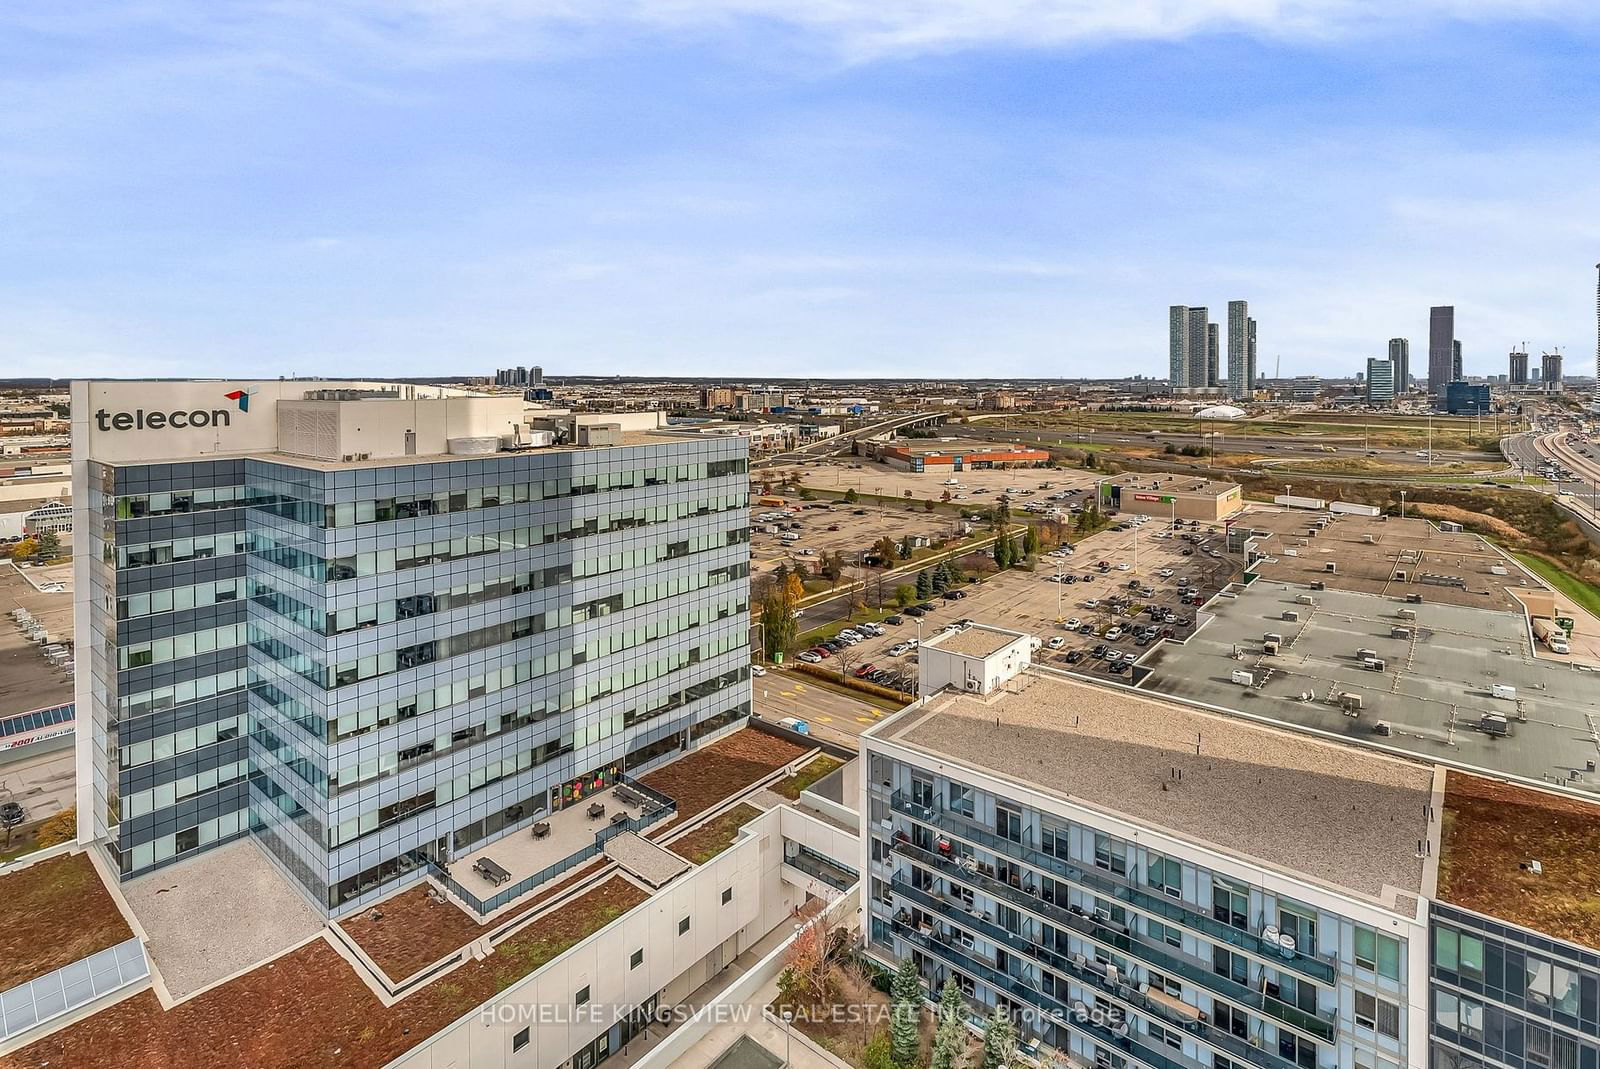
x=674 y=964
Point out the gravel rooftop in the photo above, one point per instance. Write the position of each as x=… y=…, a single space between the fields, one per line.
x=1343 y=817
x=974 y=641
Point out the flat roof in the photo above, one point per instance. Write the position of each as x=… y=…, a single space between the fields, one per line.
x=964 y=446
x=975 y=640
x=1493 y=829
x=1175 y=484
x=53 y=913
x=27 y=680
x=1434 y=689
x=1368 y=553
x=1344 y=818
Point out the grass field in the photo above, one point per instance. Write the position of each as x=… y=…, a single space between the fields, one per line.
x=1586 y=595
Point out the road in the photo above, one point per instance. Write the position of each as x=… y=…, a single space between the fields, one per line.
x=842 y=442
x=831 y=713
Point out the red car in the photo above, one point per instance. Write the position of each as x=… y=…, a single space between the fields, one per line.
x=822 y=651
x=865 y=670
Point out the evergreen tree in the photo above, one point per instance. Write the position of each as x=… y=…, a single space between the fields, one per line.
x=950 y=1037
x=1030 y=541
x=999 y=1041
x=1002 y=553
x=941 y=578
x=924 y=584
x=905 y=1011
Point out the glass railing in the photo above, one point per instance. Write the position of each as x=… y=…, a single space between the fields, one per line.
x=1317 y=966
x=835 y=875
x=1118 y=938
x=1194 y=1021
x=1058 y=1011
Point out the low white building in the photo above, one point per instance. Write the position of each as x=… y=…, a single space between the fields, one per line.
x=974 y=659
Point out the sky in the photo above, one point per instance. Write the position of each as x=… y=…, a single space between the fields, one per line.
x=875 y=188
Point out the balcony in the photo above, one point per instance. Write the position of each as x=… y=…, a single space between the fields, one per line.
x=1118 y=938
x=1077 y=1016
x=1318 y=967
x=839 y=877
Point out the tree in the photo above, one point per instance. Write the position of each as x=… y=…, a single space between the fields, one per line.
x=49 y=546
x=851 y=496
x=806 y=494
x=24 y=549
x=945 y=496
x=950 y=1035
x=924 y=584
x=939 y=579
x=905 y=1012
x=927 y=505
x=1002 y=553
x=905 y=594
x=906 y=548
x=778 y=625
x=885 y=548
x=61 y=828
x=879 y=1053
x=999 y=1040
x=1030 y=542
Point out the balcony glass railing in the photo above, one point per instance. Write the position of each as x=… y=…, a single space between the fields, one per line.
x=1087 y=973
x=1057 y=1011
x=1317 y=966
x=839 y=877
x=1120 y=939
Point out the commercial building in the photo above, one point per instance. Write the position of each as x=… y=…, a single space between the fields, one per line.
x=1380 y=382
x=1466 y=398
x=945 y=456
x=1400 y=357
x=714 y=397
x=1441 y=349
x=373 y=628
x=1182 y=497
x=1140 y=884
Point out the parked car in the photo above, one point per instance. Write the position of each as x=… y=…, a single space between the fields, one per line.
x=870 y=629
x=1113 y=634
x=1119 y=667
x=865 y=670
x=1073 y=624
x=1098 y=651
x=757 y=670
x=926 y=606
x=894 y=621
x=1074 y=656
x=899 y=649
x=915 y=610
x=955 y=595
x=1124 y=566
x=1056 y=642
x=810 y=657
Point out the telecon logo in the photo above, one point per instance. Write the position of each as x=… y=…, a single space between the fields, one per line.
x=140 y=420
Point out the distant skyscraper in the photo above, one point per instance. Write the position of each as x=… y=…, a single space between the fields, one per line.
x=1380 y=382
x=538 y=375
x=1441 y=348
x=1400 y=357
x=1213 y=355
x=1251 y=375
x=1178 y=346
x=1455 y=361
x=1199 y=346
x=1519 y=368
x=1597 y=329
x=1240 y=344
x=1551 y=375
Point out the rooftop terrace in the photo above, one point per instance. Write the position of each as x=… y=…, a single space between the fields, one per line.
x=1434 y=689
x=1342 y=817
x=1492 y=829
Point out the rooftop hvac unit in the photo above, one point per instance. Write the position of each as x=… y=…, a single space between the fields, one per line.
x=1330 y=566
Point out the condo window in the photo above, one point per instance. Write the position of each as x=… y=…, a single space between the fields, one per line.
x=519 y=1040
x=683 y=926
x=637 y=959
x=582 y=997
x=1377 y=952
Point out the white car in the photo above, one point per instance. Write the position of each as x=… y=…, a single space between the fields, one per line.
x=757 y=670
x=1114 y=634
x=873 y=629
x=1092 y=603
x=899 y=649
x=1123 y=567
x=847 y=633
x=1056 y=643
x=1113 y=656
x=1073 y=624
x=810 y=658
x=1166 y=573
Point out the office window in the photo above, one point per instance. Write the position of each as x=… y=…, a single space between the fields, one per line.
x=637 y=959
x=519 y=1040
x=1377 y=952
x=727 y=895
x=683 y=926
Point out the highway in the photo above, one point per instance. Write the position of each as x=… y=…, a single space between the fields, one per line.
x=840 y=443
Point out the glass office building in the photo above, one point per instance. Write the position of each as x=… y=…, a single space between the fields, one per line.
x=364 y=662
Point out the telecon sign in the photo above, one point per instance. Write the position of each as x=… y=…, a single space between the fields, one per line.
x=142 y=420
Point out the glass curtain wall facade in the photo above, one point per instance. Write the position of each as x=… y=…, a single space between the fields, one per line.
x=1507 y=997
x=366 y=665
x=1103 y=949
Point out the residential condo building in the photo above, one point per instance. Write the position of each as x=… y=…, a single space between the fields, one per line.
x=1400 y=357
x=1241 y=351
x=373 y=627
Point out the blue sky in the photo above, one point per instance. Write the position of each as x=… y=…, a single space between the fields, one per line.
x=846 y=187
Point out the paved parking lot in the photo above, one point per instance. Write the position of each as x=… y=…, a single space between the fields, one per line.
x=1034 y=602
x=874 y=478
x=858 y=528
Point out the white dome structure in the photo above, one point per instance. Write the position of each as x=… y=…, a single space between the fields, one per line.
x=1220 y=412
